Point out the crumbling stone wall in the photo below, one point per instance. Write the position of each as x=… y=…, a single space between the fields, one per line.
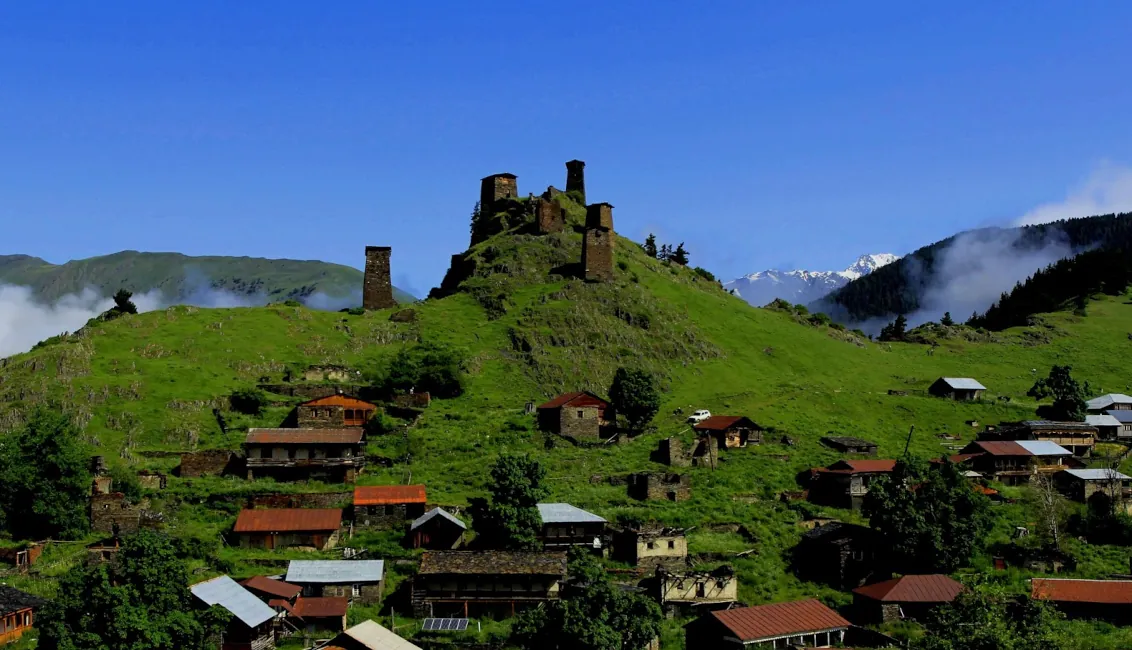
x=211 y=462
x=549 y=216
x=672 y=452
x=110 y=510
x=576 y=177
x=152 y=480
x=377 y=288
x=660 y=487
x=327 y=373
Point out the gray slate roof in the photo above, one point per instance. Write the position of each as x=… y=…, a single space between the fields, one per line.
x=963 y=383
x=564 y=513
x=436 y=512
x=335 y=571
x=13 y=600
x=227 y=593
x=1106 y=401
x=1100 y=474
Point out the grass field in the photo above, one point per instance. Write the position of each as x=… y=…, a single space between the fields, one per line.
x=147 y=384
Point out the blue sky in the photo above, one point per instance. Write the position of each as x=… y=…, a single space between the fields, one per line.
x=762 y=134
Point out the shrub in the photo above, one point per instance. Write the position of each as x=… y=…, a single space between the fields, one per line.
x=355 y=311
x=249 y=401
x=623 y=265
x=380 y=425
x=292 y=303
x=704 y=273
x=427 y=367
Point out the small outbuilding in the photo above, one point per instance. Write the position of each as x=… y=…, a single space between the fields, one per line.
x=334 y=412
x=438 y=530
x=580 y=415
x=962 y=389
x=730 y=431
x=1108 y=427
x=850 y=445
x=321 y=614
x=269 y=589
x=906 y=597
x=384 y=506
x=564 y=525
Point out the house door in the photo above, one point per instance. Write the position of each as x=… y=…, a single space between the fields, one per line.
x=269 y=542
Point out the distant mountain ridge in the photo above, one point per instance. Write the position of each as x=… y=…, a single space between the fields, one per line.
x=801 y=286
x=180 y=277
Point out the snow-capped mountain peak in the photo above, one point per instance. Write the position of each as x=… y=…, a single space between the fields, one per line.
x=801 y=286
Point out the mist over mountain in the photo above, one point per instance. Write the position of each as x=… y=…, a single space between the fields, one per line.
x=800 y=286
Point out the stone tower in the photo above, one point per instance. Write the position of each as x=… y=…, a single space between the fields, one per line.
x=549 y=216
x=495 y=188
x=377 y=289
x=597 y=247
x=576 y=177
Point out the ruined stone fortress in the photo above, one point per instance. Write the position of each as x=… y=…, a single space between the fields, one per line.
x=499 y=194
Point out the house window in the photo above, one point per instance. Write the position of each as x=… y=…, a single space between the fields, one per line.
x=650 y=546
x=701 y=590
x=581 y=414
x=671 y=543
x=355 y=590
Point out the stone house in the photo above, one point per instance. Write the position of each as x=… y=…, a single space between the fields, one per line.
x=368 y=635
x=1108 y=427
x=579 y=415
x=688 y=591
x=844 y=556
x=334 y=412
x=333 y=455
x=1108 y=600
x=319 y=615
x=907 y=597
x=474 y=583
x=113 y=513
x=648 y=486
x=1080 y=484
x=850 y=445
x=17 y=613
x=252 y=624
x=1012 y=462
x=362 y=581
x=845 y=483
x=652 y=546
x=1078 y=437
x=564 y=525
x=1109 y=402
x=729 y=431
x=806 y=623
x=387 y=506
x=962 y=389
x=316 y=528
x=437 y=529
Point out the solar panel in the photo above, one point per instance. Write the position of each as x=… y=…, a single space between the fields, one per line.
x=445 y=624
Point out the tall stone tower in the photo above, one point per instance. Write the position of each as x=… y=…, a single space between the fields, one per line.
x=597 y=246
x=576 y=177
x=495 y=188
x=377 y=289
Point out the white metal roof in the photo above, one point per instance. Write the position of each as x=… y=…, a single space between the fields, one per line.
x=1100 y=474
x=436 y=512
x=1102 y=421
x=1043 y=448
x=335 y=571
x=1105 y=401
x=228 y=593
x=564 y=513
x=963 y=383
x=373 y=636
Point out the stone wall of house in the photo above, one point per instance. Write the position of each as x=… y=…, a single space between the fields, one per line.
x=579 y=423
x=672 y=452
x=367 y=593
x=377 y=288
x=890 y=612
x=661 y=487
x=576 y=177
x=386 y=516
x=211 y=462
x=152 y=480
x=597 y=255
x=302 y=500
x=321 y=417
x=108 y=510
x=669 y=551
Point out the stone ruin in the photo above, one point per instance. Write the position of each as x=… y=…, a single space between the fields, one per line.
x=656 y=486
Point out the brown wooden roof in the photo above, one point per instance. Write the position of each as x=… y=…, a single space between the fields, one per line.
x=288 y=520
x=272 y=586
x=575 y=399
x=780 y=619
x=493 y=563
x=932 y=588
x=303 y=436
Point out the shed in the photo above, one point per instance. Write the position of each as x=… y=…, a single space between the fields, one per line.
x=321 y=613
x=577 y=414
x=850 y=445
x=437 y=529
x=251 y=623
x=382 y=506
x=361 y=580
x=806 y=623
x=957 y=388
x=910 y=596
x=730 y=431
x=564 y=525
x=368 y=635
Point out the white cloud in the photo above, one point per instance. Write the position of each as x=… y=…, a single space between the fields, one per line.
x=1108 y=189
x=24 y=321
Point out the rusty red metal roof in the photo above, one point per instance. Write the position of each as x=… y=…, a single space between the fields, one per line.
x=575 y=399
x=376 y=495
x=286 y=520
x=282 y=604
x=340 y=400
x=323 y=607
x=272 y=587
x=1101 y=592
x=722 y=423
x=997 y=448
x=303 y=436
x=855 y=466
x=780 y=619
x=931 y=588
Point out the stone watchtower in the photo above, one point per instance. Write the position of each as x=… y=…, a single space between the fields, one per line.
x=377 y=289
x=597 y=247
x=495 y=188
x=576 y=177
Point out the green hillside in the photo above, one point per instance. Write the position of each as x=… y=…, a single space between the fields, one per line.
x=146 y=385
x=180 y=276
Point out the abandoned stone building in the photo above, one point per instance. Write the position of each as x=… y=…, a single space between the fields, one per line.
x=386 y=506
x=477 y=583
x=377 y=288
x=23 y=556
x=112 y=512
x=597 y=244
x=251 y=626
x=576 y=178
x=652 y=546
x=844 y=556
x=362 y=581
x=316 y=528
x=564 y=525
x=210 y=462
x=682 y=592
x=333 y=455
x=437 y=529
x=660 y=486
x=151 y=480
x=579 y=415
x=334 y=412
x=729 y=431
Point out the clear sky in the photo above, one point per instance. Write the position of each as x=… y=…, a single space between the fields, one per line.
x=762 y=134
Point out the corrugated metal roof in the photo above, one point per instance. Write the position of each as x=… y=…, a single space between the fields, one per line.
x=340 y=400
x=303 y=436
x=932 y=588
x=1123 y=417
x=436 y=512
x=242 y=604
x=723 y=423
x=376 y=495
x=272 y=586
x=963 y=383
x=287 y=520
x=1099 y=592
x=375 y=637
x=335 y=571
x=1043 y=448
x=766 y=622
x=493 y=563
x=564 y=513
x=1104 y=420
x=321 y=607
x=568 y=398
x=1105 y=401
x=1018 y=448
x=1100 y=474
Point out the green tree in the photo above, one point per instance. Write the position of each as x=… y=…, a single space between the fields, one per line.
x=929 y=515
x=705 y=274
x=249 y=401
x=895 y=330
x=123 y=304
x=634 y=395
x=45 y=478
x=140 y=601
x=434 y=368
x=1068 y=396
x=665 y=253
x=592 y=614
x=510 y=520
x=984 y=618
x=650 y=245
x=946 y=321
x=680 y=256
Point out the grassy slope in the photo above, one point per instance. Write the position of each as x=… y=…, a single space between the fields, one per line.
x=179 y=275
x=150 y=381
